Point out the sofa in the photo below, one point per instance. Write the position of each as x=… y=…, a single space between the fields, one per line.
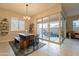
x=73 y=34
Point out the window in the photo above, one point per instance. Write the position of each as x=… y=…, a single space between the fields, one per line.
x=21 y=25
x=76 y=25
x=17 y=24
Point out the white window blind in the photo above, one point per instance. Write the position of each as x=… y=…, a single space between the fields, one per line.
x=17 y=24
x=76 y=25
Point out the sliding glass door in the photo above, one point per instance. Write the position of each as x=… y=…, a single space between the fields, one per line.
x=62 y=28
x=51 y=28
x=39 y=28
x=54 y=28
x=45 y=28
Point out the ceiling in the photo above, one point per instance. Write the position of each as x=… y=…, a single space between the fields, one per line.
x=36 y=8
x=33 y=8
x=71 y=9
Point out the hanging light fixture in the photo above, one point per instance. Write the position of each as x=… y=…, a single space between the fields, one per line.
x=26 y=17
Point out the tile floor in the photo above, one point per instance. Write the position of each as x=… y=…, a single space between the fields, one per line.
x=70 y=47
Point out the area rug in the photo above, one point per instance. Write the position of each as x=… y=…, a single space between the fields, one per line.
x=26 y=51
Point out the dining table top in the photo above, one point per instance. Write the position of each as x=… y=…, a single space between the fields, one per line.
x=25 y=34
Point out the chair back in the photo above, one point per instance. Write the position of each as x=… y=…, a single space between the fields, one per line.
x=22 y=37
x=37 y=39
x=32 y=37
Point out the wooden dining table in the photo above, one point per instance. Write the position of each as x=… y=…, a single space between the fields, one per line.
x=24 y=40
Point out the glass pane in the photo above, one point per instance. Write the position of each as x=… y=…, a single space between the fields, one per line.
x=54 y=28
x=76 y=25
x=21 y=25
x=14 y=24
x=39 y=27
x=17 y=24
x=45 y=28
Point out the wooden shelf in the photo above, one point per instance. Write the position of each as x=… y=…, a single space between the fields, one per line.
x=4 y=26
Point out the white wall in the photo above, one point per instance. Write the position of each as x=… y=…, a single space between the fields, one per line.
x=8 y=14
